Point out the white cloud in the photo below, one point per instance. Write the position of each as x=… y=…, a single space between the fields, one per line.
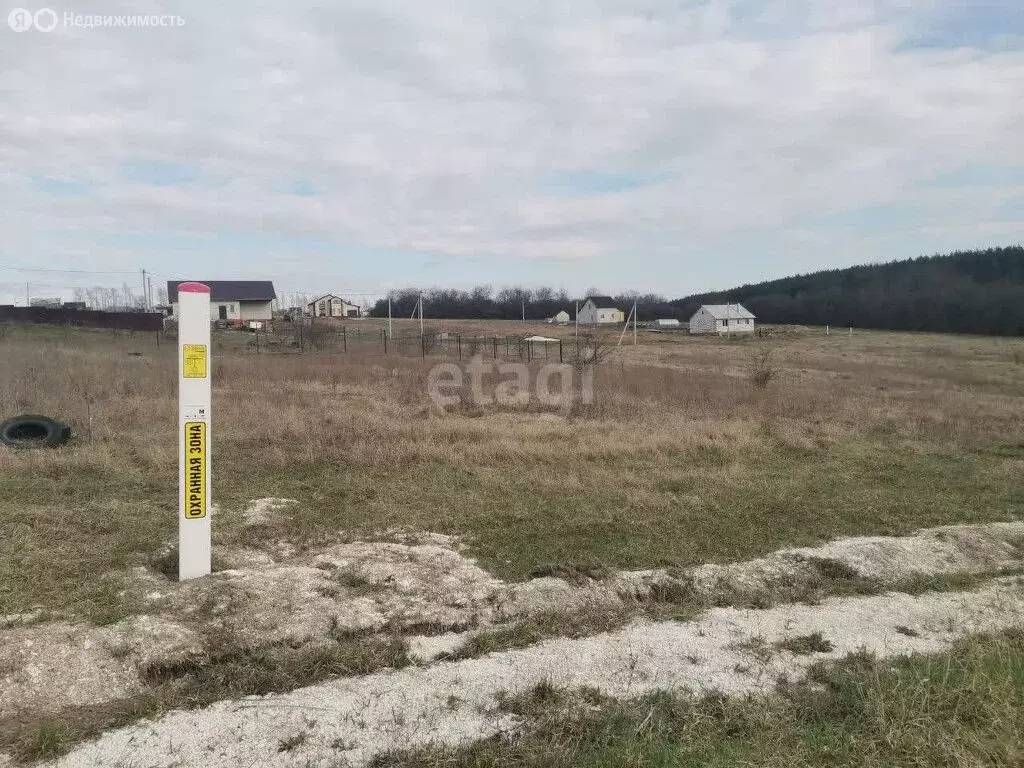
x=440 y=127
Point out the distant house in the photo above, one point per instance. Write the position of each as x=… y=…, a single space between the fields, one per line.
x=561 y=317
x=330 y=305
x=598 y=310
x=722 y=318
x=237 y=302
x=669 y=322
x=45 y=303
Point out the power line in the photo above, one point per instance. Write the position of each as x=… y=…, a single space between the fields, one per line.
x=70 y=271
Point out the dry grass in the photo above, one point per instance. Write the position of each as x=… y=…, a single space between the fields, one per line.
x=680 y=460
x=230 y=673
x=963 y=708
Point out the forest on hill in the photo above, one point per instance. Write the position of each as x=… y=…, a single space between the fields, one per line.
x=964 y=292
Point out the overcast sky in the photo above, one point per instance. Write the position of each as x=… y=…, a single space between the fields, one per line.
x=658 y=145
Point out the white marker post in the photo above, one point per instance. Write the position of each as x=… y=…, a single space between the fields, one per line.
x=194 y=438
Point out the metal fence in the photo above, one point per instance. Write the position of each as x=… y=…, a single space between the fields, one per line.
x=312 y=338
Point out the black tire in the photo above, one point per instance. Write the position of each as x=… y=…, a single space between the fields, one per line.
x=32 y=431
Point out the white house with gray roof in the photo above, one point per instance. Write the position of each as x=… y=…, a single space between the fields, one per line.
x=599 y=310
x=235 y=302
x=722 y=318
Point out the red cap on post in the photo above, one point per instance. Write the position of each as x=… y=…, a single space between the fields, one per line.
x=193 y=288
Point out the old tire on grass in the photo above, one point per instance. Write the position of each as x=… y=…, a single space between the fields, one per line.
x=32 y=431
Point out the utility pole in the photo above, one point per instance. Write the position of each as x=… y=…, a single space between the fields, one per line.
x=632 y=316
x=421 y=314
x=523 y=303
x=389 y=322
x=577 y=319
x=149 y=292
x=145 y=302
x=28 y=296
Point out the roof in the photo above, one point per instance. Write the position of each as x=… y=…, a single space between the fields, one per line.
x=601 y=302
x=229 y=290
x=330 y=296
x=728 y=311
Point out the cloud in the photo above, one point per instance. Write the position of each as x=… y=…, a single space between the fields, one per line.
x=612 y=141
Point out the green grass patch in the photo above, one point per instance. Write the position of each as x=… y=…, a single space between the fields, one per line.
x=962 y=708
x=518 y=522
x=805 y=645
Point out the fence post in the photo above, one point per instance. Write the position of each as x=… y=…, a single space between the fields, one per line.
x=344 y=339
x=560 y=351
x=256 y=332
x=384 y=338
x=423 y=345
x=494 y=342
x=458 y=340
x=302 y=344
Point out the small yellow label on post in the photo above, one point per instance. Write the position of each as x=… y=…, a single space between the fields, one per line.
x=193 y=363
x=195 y=470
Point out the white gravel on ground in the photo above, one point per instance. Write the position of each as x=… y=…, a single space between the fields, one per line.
x=931 y=552
x=451 y=703
x=67 y=665
x=419 y=583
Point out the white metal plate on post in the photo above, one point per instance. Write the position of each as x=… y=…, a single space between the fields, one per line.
x=194 y=431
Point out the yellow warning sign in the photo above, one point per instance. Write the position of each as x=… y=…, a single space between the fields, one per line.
x=195 y=470
x=193 y=363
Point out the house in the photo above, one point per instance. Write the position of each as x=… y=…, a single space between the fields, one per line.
x=236 y=302
x=600 y=309
x=561 y=317
x=722 y=318
x=330 y=305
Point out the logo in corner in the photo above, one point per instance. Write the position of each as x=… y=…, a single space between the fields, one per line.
x=45 y=20
x=20 y=20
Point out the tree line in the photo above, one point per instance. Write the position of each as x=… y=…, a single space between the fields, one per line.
x=980 y=291
x=484 y=303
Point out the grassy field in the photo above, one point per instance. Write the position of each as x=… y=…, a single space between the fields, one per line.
x=684 y=457
x=963 y=708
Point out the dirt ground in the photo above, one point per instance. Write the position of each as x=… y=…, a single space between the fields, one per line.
x=422 y=588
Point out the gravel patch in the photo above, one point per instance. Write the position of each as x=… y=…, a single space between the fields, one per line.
x=456 y=702
x=420 y=585
x=47 y=668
